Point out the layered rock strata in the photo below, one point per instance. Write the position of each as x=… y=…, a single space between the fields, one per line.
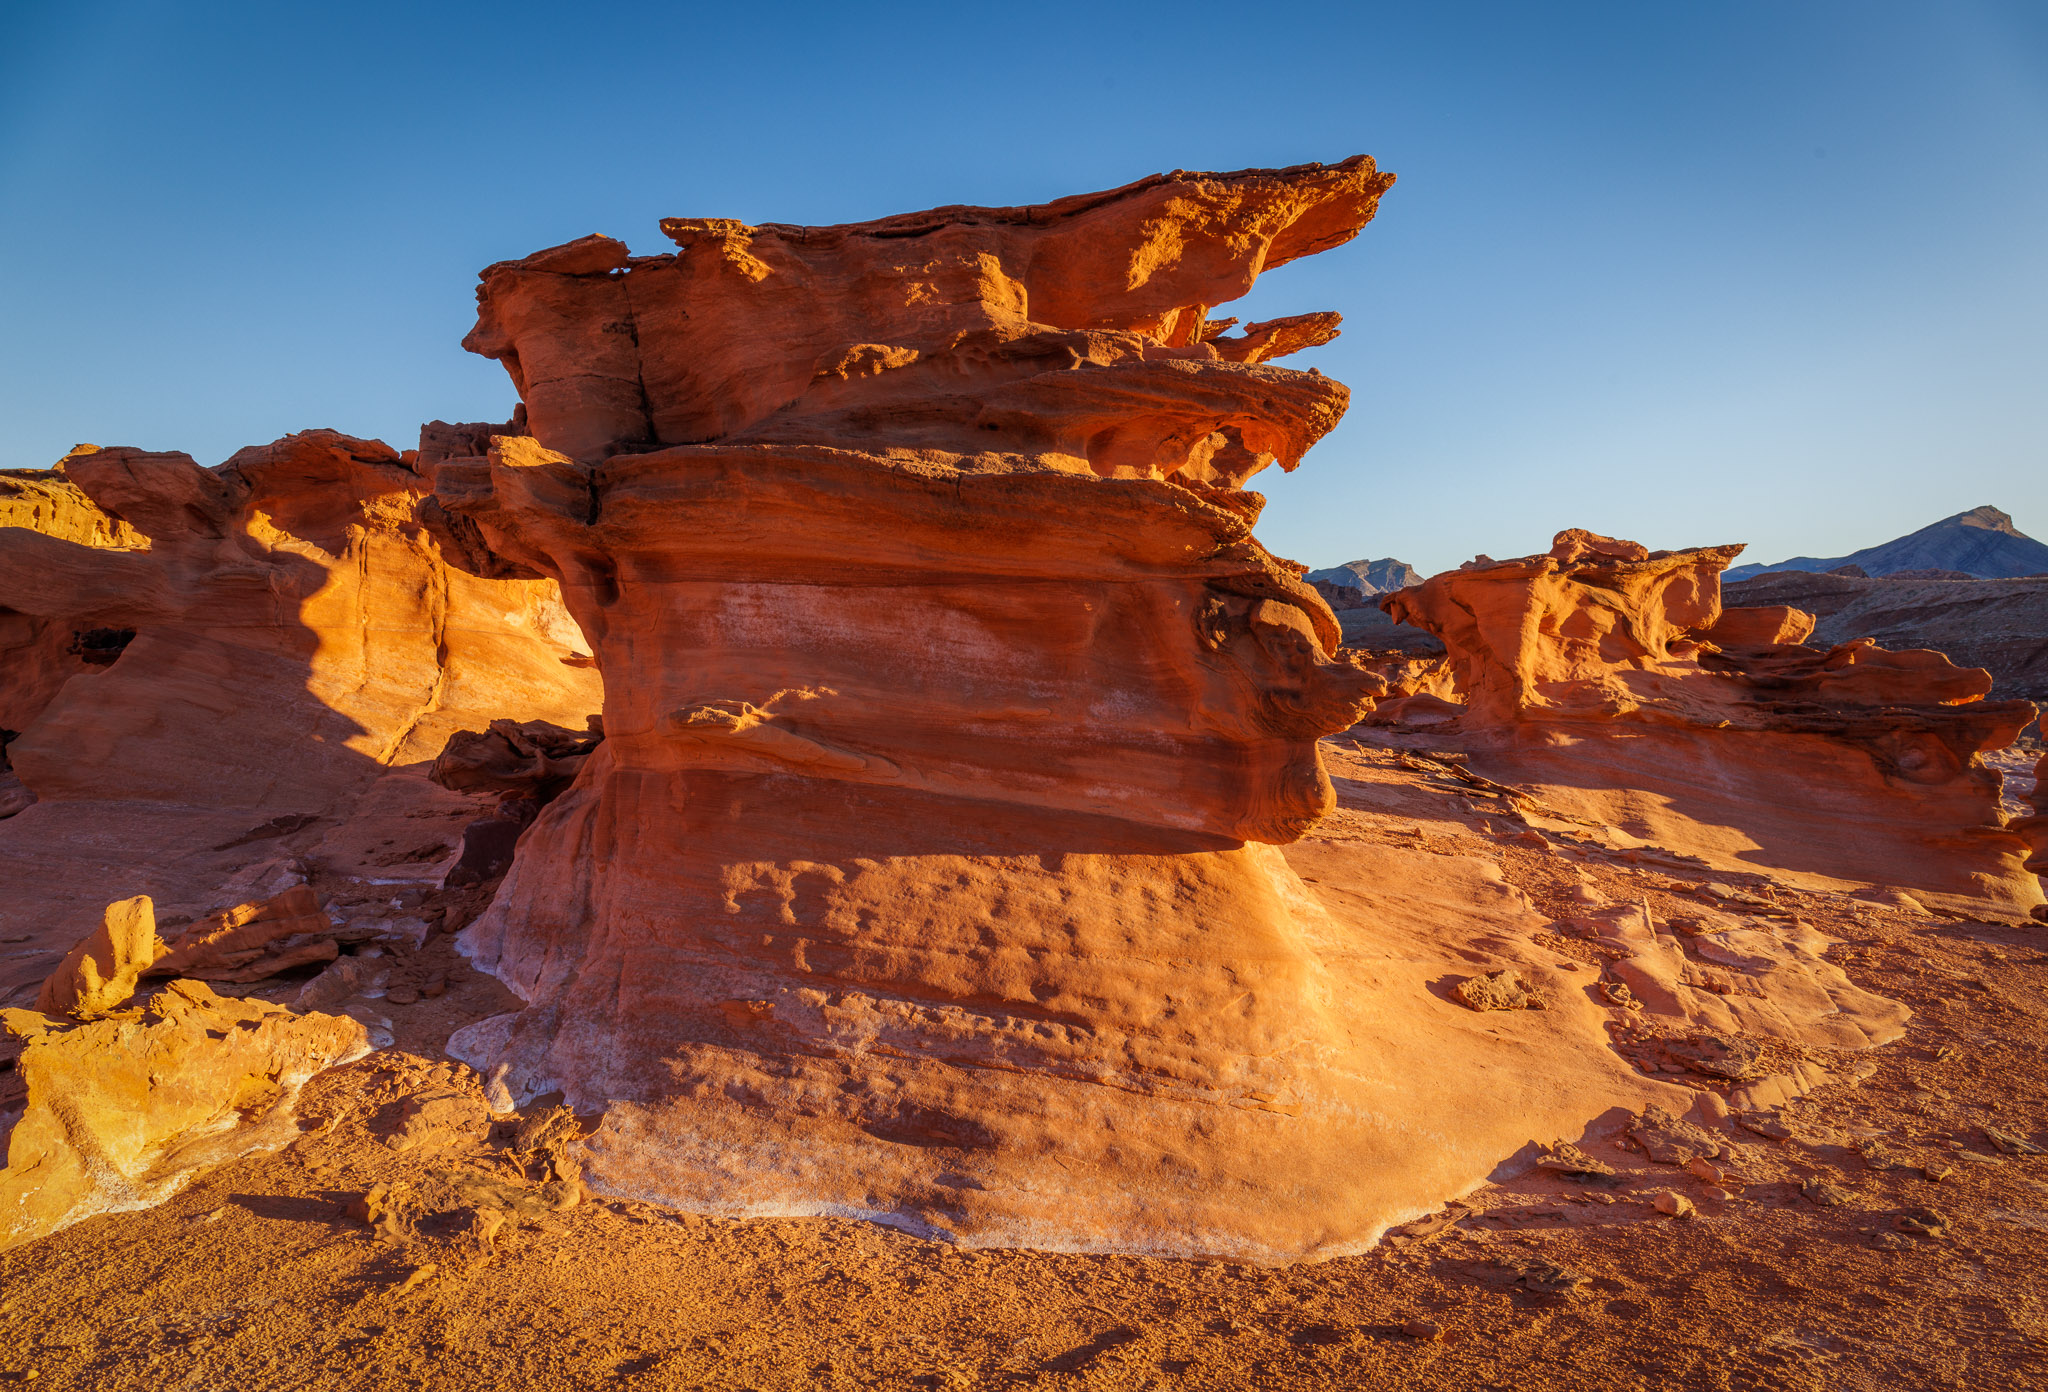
x=1612 y=678
x=926 y=869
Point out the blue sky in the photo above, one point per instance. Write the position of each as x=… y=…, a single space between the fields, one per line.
x=1688 y=273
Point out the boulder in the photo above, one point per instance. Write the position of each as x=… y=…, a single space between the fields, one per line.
x=101 y=972
x=122 y=1112
x=253 y=940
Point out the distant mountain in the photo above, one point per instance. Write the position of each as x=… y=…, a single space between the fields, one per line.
x=1353 y=591
x=1979 y=544
x=1368 y=577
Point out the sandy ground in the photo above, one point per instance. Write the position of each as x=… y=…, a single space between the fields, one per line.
x=1890 y=1243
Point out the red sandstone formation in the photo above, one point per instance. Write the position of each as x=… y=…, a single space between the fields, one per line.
x=1612 y=679
x=952 y=709
x=228 y=680
x=268 y=672
x=1076 y=330
x=924 y=864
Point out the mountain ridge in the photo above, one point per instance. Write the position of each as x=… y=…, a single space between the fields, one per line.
x=1982 y=544
x=1379 y=577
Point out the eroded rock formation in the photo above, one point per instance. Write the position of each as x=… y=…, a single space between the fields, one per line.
x=953 y=711
x=1612 y=678
x=1999 y=625
x=2034 y=829
x=927 y=862
x=272 y=653
x=1078 y=329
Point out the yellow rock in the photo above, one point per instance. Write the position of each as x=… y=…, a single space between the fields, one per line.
x=100 y=973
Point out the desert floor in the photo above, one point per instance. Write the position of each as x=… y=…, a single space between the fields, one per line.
x=1925 y=1270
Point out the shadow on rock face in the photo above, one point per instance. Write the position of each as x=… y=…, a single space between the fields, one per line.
x=265 y=674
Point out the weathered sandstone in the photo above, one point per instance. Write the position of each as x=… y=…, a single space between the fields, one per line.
x=1076 y=329
x=102 y=971
x=958 y=846
x=289 y=650
x=40 y=652
x=1999 y=625
x=121 y=1112
x=251 y=940
x=926 y=869
x=1611 y=680
x=2034 y=829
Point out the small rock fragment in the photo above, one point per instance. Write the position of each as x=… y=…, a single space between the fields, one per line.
x=1718 y=1056
x=1764 y=1124
x=1922 y=1222
x=440 y=1118
x=1566 y=1158
x=1548 y=1278
x=1673 y=1205
x=1618 y=993
x=2009 y=1144
x=1500 y=990
x=387 y=1208
x=497 y=1095
x=1826 y=1195
x=419 y=1276
x=1420 y=1229
x=1666 y=1140
x=1426 y=1331
x=484 y=1224
x=544 y=1134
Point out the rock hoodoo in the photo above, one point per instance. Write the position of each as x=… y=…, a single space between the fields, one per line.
x=1612 y=678
x=926 y=869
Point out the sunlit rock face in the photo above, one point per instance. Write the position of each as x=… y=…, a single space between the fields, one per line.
x=270 y=654
x=953 y=712
x=121 y=1113
x=1076 y=330
x=1612 y=679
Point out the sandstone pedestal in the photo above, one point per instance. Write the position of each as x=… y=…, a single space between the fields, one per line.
x=928 y=869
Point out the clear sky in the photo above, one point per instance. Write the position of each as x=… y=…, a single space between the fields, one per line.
x=1687 y=273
